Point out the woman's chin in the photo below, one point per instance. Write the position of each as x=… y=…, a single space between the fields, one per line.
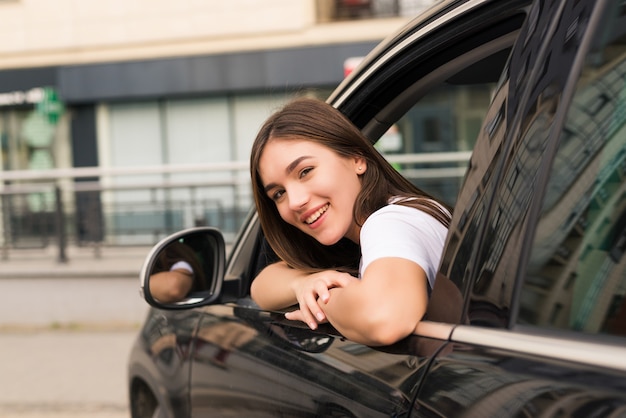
x=328 y=241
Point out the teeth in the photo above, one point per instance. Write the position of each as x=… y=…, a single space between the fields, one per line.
x=316 y=215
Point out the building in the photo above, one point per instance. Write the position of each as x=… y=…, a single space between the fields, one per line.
x=146 y=83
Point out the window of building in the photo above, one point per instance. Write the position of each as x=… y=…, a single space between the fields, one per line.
x=341 y=10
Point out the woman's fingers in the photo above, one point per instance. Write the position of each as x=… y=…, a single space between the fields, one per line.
x=312 y=307
x=309 y=312
x=323 y=294
x=304 y=313
x=295 y=315
x=299 y=315
x=313 y=291
x=335 y=279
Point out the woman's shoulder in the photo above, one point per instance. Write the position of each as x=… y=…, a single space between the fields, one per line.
x=401 y=225
x=403 y=210
x=417 y=202
x=394 y=210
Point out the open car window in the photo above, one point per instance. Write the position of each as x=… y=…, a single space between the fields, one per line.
x=424 y=115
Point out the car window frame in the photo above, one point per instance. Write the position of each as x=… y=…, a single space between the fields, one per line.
x=385 y=71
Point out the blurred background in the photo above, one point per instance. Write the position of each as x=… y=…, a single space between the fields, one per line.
x=123 y=121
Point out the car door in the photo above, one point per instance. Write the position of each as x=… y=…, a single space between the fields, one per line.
x=250 y=362
x=537 y=240
x=256 y=363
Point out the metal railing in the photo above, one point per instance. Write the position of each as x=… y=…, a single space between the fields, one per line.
x=94 y=206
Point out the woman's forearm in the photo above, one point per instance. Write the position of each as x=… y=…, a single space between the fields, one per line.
x=170 y=286
x=355 y=318
x=272 y=288
x=380 y=309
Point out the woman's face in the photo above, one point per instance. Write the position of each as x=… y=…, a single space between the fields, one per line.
x=313 y=187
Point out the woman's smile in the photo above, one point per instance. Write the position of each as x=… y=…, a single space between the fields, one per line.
x=310 y=219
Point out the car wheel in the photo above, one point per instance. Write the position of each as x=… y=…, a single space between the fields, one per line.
x=143 y=404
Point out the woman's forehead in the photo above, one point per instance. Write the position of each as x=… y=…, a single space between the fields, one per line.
x=293 y=144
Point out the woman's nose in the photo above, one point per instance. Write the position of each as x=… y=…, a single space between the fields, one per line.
x=298 y=197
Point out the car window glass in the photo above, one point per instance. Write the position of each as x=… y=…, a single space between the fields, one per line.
x=490 y=220
x=432 y=142
x=576 y=275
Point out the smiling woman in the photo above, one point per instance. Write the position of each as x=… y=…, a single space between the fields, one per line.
x=326 y=197
x=312 y=169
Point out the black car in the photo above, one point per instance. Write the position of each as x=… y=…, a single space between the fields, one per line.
x=528 y=314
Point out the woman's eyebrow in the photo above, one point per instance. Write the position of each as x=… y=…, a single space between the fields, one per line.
x=288 y=170
x=269 y=187
x=295 y=163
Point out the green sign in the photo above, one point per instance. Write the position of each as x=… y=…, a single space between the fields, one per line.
x=38 y=130
x=50 y=106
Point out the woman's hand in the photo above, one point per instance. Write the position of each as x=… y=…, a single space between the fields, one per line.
x=313 y=288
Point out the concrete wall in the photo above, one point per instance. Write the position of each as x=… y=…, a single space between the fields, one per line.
x=60 y=32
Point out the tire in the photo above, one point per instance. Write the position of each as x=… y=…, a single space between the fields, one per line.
x=143 y=404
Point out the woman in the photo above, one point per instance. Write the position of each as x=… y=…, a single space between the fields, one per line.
x=318 y=181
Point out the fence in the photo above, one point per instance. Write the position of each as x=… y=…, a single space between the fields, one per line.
x=138 y=206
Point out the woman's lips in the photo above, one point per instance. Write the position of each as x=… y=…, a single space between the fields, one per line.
x=316 y=215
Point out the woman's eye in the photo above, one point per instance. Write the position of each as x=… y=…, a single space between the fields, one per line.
x=305 y=171
x=277 y=195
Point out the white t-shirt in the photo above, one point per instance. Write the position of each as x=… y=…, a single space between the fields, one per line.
x=182 y=265
x=405 y=232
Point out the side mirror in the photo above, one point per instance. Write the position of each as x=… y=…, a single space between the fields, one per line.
x=185 y=270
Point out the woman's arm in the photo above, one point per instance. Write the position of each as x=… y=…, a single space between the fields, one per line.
x=171 y=286
x=278 y=286
x=272 y=288
x=384 y=307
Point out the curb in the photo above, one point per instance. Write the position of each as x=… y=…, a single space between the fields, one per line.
x=80 y=274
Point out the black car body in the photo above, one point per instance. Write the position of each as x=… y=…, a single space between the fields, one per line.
x=528 y=314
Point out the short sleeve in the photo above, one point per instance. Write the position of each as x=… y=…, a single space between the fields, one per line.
x=405 y=232
x=182 y=265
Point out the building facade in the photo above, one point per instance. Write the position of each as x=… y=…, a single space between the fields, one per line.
x=144 y=83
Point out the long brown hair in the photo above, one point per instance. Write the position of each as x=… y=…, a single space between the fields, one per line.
x=317 y=121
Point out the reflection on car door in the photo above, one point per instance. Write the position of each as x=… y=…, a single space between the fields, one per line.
x=282 y=369
x=522 y=354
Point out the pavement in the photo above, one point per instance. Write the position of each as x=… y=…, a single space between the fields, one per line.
x=93 y=287
x=66 y=330
x=64 y=373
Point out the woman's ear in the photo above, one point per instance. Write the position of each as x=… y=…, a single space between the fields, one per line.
x=360 y=165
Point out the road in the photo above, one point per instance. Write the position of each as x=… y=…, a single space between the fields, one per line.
x=66 y=330
x=64 y=373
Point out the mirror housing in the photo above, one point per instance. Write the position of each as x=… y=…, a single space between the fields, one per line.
x=185 y=269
